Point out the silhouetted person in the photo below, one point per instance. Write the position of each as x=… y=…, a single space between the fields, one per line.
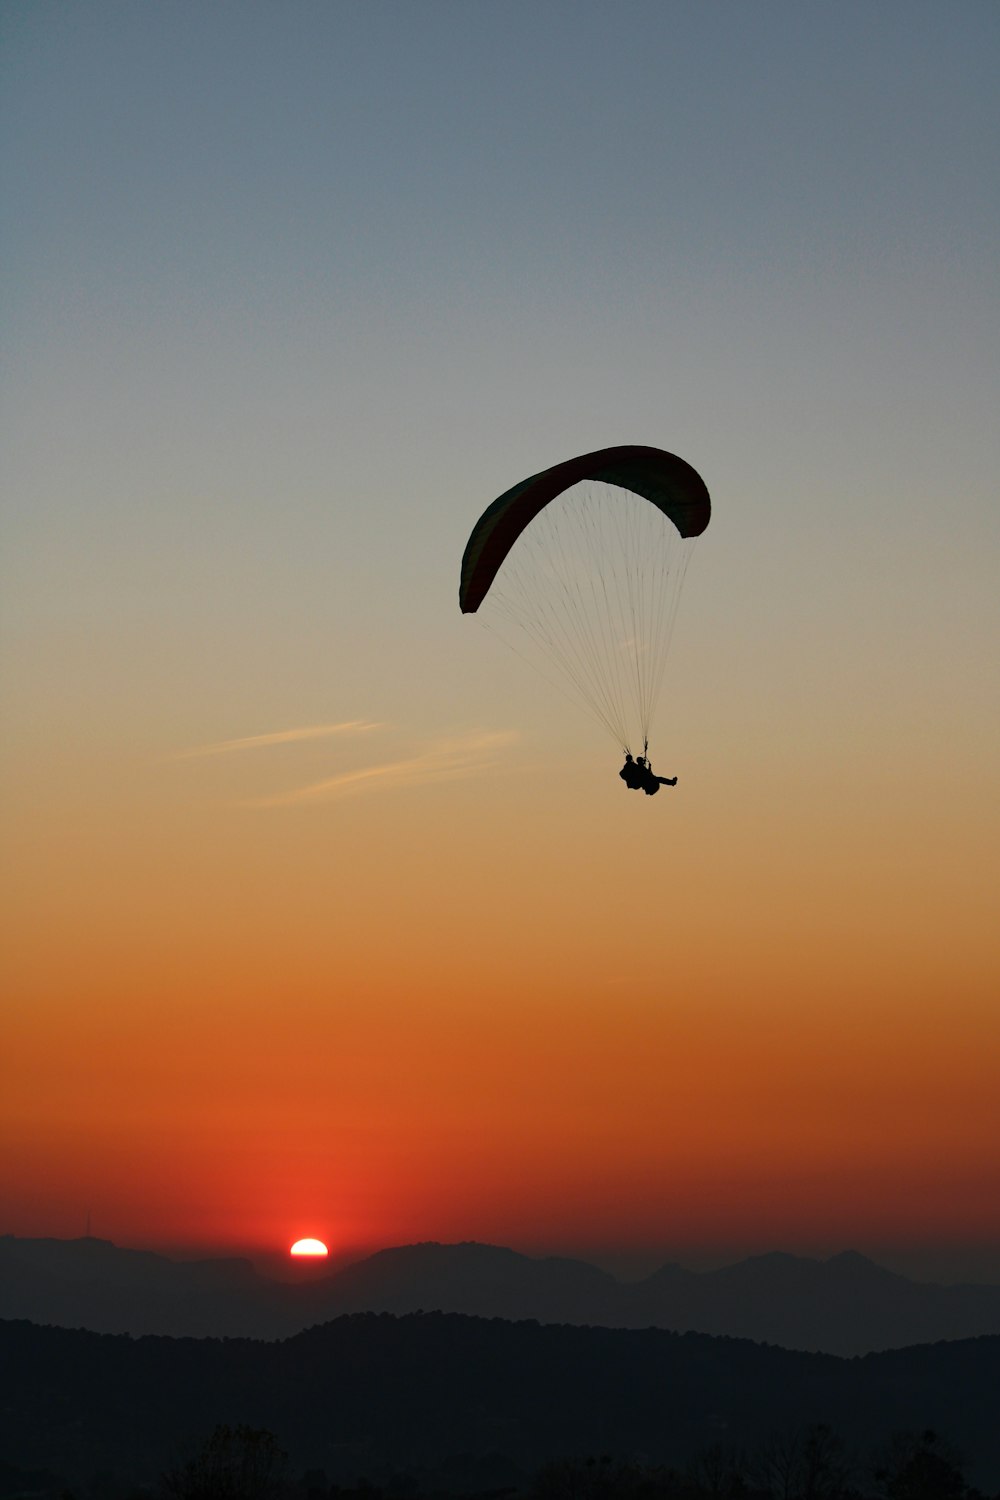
x=631 y=772
x=638 y=775
x=650 y=782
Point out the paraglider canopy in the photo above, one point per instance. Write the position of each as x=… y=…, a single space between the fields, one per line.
x=580 y=569
x=665 y=480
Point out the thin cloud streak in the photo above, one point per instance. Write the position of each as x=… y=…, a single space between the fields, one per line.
x=280 y=737
x=447 y=760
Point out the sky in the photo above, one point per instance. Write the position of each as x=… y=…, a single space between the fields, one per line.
x=322 y=914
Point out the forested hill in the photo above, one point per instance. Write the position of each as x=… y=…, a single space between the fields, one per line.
x=372 y=1394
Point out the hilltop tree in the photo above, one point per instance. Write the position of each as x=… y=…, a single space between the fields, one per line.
x=717 y=1472
x=234 y=1463
x=919 y=1467
x=807 y=1465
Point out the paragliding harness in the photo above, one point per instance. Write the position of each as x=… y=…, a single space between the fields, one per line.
x=638 y=774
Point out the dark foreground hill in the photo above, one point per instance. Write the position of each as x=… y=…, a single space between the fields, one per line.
x=439 y=1394
x=844 y=1305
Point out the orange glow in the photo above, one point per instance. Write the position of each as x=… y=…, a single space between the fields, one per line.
x=504 y=1009
x=309 y=1247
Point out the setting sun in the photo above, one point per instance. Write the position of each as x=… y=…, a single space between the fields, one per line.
x=308 y=1247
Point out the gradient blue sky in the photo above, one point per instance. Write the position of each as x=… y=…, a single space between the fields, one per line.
x=295 y=284
x=294 y=290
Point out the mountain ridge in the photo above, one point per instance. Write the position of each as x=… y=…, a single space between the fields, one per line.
x=844 y=1305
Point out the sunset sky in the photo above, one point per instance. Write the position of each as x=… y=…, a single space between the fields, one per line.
x=322 y=915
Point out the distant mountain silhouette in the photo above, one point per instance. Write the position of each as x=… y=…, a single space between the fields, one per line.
x=441 y=1397
x=482 y=1280
x=845 y=1305
x=91 y=1283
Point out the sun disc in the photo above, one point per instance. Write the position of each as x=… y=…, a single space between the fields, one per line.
x=308 y=1247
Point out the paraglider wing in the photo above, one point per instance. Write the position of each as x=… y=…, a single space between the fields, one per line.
x=663 y=479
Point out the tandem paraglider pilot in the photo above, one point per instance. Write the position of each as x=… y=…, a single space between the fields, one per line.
x=638 y=776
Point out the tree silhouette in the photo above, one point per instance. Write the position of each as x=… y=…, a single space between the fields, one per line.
x=807 y=1465
x=717 y=1473
x=605 y=1478
x=235 y=1463
x=921 y=1468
